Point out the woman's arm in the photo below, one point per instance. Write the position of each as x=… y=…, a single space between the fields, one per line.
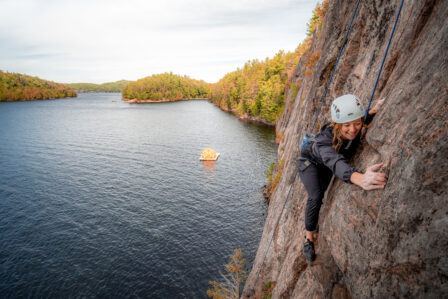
x=335 y=161
x=371 y=179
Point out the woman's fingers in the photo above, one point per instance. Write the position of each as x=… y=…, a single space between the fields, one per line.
x=372 y=179
x=375 y=167
x=375 y=186
x=381 y=177
x=378 y=187
x=378 y=182
x=375 y=181
x=379 y=104
x=372 y=187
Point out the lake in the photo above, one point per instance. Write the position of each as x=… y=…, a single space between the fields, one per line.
x=100 y=198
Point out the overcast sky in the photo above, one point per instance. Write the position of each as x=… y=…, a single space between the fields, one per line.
x=107 y=40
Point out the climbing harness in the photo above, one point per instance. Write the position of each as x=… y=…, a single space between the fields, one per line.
x=310 y=137
x=384 y=58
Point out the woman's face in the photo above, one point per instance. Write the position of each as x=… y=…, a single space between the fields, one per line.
x=351 y=129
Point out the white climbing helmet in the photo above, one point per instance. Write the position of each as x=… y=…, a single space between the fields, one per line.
x=346 y=108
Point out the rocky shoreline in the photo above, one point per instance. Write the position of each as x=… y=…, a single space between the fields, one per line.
x=248 y=118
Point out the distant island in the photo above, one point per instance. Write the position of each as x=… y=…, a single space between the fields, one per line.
x=116 y=86
x=19 y=87
x=166 y=87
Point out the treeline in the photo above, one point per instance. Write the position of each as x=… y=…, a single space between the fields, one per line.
x=166 y=86
x=17 y=87
x=105 y=87
x=259 y=88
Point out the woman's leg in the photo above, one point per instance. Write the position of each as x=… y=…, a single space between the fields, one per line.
x=325 y=176
x=316 y=180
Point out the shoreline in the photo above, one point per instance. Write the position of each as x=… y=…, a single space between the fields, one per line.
x=131 y=101
x=244 y=117
x=44 y=99
x=247 y=118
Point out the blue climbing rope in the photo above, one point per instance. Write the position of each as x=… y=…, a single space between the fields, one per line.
x=384 y=58
x=334 y=68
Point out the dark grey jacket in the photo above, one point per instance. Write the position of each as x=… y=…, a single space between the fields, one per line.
x=321 y=152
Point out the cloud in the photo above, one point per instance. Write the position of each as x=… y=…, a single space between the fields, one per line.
x=98 y=40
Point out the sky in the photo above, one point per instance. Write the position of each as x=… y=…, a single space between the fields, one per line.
x=101 y=41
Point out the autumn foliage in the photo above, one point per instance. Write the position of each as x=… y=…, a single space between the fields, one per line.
x=259 y=88
x=166 y=86
x=233 y=280
x=18 y=87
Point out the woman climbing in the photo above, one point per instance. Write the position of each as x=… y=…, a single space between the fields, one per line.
x=329 y=154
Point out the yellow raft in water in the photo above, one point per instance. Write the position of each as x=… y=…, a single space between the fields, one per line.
x=209 y=155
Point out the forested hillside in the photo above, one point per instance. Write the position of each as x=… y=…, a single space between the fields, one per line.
x=166 y=87
x=105 y=87
x=258 y=89
x=17 y=87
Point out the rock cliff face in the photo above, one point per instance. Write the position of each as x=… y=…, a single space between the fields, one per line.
x=380 y=244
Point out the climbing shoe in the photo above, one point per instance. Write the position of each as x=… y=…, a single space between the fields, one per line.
x=308 y=250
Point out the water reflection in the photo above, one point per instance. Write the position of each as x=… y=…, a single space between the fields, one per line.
x=209 y=168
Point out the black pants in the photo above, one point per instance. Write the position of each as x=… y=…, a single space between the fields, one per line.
x=316 y=179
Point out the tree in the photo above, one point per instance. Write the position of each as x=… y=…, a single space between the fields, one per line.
x=232 y=281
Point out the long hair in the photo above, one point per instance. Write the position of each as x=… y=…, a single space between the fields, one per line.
x=337 y=136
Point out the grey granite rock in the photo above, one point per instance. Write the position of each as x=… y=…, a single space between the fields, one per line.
x=371 y=244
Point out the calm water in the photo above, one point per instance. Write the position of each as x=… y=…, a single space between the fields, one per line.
x=100 y=198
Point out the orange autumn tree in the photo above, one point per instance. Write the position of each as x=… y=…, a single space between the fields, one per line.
x=232 y=281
